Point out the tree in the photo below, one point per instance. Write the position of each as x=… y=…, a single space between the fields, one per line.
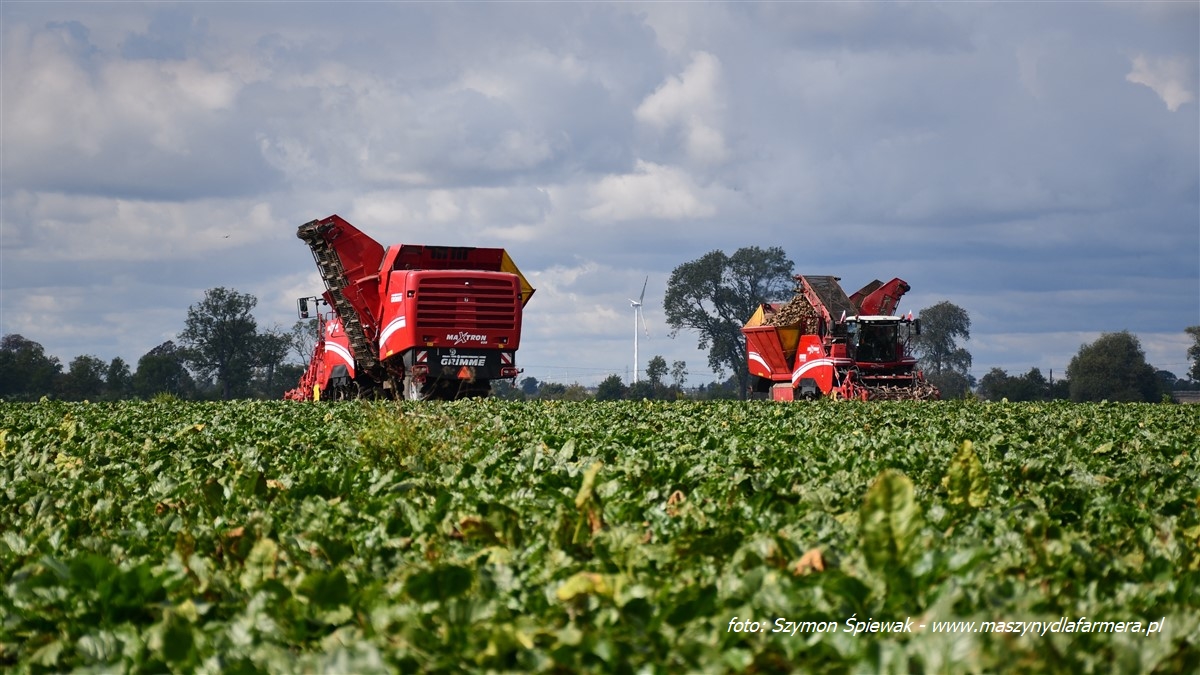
x=118 y=381
x=26 y=373
x=161 y=371
x=84 y=380
x=272 y=348
x=715 y=295
x=551 y=391
x=945 y=363
x=303 y=339
x=576 y=392
x=611 y=389
x=505 y=389
x=1193 y=353
x=222 y=339
x=640 y=391
x=679 y=374
x=530 y=386
x=656 y=370
x=1113 y=368
x=1031 y=386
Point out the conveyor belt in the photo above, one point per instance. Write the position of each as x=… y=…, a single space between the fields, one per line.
x=334 y=276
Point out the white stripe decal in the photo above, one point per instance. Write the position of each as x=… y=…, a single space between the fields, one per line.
x=396 y=324
x=756 y=357
x=818 y=363
x=342 y=353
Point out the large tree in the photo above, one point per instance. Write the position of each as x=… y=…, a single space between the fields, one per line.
x=1193 y=353
x=222 y=339
x=85 y=379
x=161 y=371
x=611 y=389
x=26 y=373
x=715 y=295
x=1031 y=386
x=946 y=364
x=1114 y=368
x=118 y=381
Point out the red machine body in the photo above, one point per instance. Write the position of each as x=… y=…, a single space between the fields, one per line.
x=835 y=345
x=411 y=321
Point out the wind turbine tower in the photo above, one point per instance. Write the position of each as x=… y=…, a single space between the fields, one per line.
x=638 y=317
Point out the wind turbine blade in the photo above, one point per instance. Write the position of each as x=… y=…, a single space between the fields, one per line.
x=643 y=318
x=643 y=295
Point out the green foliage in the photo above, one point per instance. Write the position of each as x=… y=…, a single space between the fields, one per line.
x=1113 y=368
x=714 y=295
x=161 y=371
x=611 y=389
x=944 y=361
x=1032 y=386
x=26 y=373
x=223 y=342
x=546 y=536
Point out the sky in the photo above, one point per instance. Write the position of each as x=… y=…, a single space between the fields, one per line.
x=1035 y=163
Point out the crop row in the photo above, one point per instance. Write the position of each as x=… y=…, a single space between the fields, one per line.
x=623 y=536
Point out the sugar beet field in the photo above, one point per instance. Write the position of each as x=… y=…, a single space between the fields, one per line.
x=495 y=536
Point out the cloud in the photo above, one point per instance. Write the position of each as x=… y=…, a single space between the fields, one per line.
x=1170 y=78
x=651 y=191
x=691 y=104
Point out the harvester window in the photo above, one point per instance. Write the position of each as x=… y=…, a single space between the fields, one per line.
x=876 y=343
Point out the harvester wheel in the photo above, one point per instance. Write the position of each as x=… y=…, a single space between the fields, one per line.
x=413 y=390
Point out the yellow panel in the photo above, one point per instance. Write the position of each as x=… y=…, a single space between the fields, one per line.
x=507 y=265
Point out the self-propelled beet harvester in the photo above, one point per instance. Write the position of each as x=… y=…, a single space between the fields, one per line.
x=410 y=321
x=825 y=343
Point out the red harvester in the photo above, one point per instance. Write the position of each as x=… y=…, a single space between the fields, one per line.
x=410 y=321
x=825 y=343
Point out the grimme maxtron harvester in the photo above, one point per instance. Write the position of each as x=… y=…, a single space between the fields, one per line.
x=825 y=343
x=409 y=321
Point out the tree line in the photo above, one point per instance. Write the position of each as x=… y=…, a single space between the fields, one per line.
x=222 y=353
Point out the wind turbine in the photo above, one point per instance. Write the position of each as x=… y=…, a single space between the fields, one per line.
x=638 y=316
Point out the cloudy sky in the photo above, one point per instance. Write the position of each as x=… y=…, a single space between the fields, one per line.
x=1037 y=164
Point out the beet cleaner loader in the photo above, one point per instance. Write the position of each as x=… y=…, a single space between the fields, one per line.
x=410 y=321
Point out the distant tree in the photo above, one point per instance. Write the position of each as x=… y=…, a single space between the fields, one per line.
x=945 y=363
x=26 y=373
x=716 y=391
x=641 y=390
x=1193 y=353
x=611 y=389
x=679 y=374
x=576 y=392
x=84 y=380
x=530 y=386
x=714 y=295
x=272 y=347
x=118 y=381
x=1113 y=368
x=551 y=391
x=997 y=385
x=302 y=340
x=1167 y=380
x=656 y=370
x=162 y=371
x=1060 y=390
x=287 y=376
x=222 y=339
x=506 y=390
